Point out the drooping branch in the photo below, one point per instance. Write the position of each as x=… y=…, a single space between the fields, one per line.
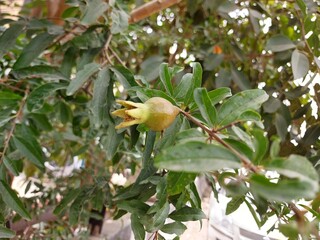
x=150 y=8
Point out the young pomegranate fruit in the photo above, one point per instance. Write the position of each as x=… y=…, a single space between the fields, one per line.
x=156 y=113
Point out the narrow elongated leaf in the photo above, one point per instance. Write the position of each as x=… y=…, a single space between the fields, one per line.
x=312 y=135
x=36 y=46
x=177 y=228
x=196 y=82
x=8 y=38
x=234 y=204
x=232 y=108
x=94 y=9
x=6 y=233
x=70 y=196
x=197 y=74
x=300 y=64
x=242 y=135
x=165 y=78
x=82 y=77
x=134 y=206
x=11 y=166
x=187 y=214
x=36 y=98
x=177 y=181
x=137 y=228
x=296 y=167
x=76 y=207
x=124 y=76
x=183 y=87
x=196 y=157
x=69 y=61
x=30 y=148
x=7 y=98
x=284 y=190
x=219 y=94
x=40 y=71
x=100 y=96
x=279 y=43
x=12 y=200
x=160 y=217
x=207 y=110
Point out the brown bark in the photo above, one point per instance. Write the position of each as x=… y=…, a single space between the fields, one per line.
x=150 y=8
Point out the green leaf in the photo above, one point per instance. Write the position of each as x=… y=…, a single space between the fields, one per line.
x=243 y=136
x=145 y=93
x=197 y=74
x=183 y=87
x=94 y=9
x=147 y=161
x=76 y=207
x=195 y=199
x=160 y=217
x=312 y=135
x=36 y=46
x=196 y=157
x=134 y=206
x=8 y=38
x=177 y=228
x=69 y=61
x=36 y=98
x=137 y=228
x=111 y=141
x=100 y=96
x=177 y=181
x=207 y=110
x=10 y=166
x=187 y=214
x=196 y=82
x=41 y=121
x=300 y=64
x=39 y=71
x=30 y=148
x=82 y=77
x=68 y=198
x=6 y=233
x=281 y=126
x=261 y=145
x=165 y=78
x=150 y=67
x=120 y=21
x=275 y=148
x=240 y=79
x=219 y=94
x=12 y=200
x=232 y=108
x=279 y=43
x=6 y=98
x=296 y=167
x=234 y=204
x=284 y=190
x=124 y=76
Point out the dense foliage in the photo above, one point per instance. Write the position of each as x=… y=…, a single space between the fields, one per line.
x=245 y=75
